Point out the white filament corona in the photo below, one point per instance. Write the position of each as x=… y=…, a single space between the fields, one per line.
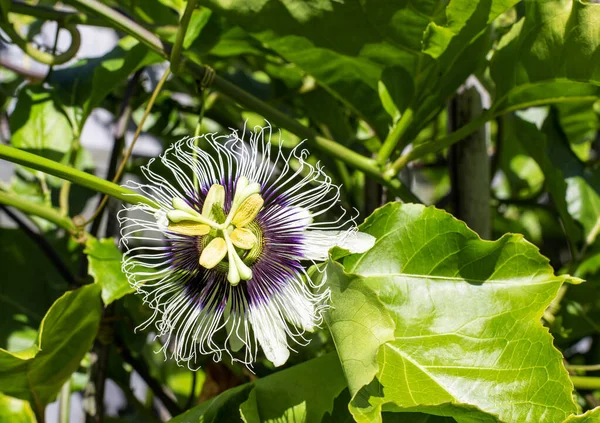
x=196 y=311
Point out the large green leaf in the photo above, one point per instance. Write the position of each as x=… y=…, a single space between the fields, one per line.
x=535 y=143
x=592 y=416
x=538 y=60
x=104 y=260
x=346 y=46
x=13 y=410
x=65 y=335
x=435 y=320
x=522 y=173
x=24 y=271
x=86 y=83
x=579 y=311
x=39 y=125
x=300 y=394
x=579 y=121
x=574 y=189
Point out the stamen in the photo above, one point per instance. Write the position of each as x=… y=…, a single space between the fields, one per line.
x=248 y=210
x=189 y=228
x=243 y=191
x=243 y=238
x=213 y=253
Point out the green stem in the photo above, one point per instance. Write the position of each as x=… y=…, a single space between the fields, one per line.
x=39 y=210
x=129 y=151
x=356 y=160
x=87 y=180
x=345 y=176
x=124 y=24
x=340 y=152
x=42 y=56
x=394 y=138
x=183 y=26
x=437 y=144
x=586 y=383
x=47 y=13
x=65 y=402
x=583 y=367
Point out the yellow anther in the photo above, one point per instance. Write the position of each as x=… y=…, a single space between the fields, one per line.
x=189 y=228
x=243 y=238
x=248 y=210
x=215 y=196
x=213 y=253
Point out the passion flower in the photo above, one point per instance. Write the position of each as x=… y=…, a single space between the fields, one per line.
x=222 y=259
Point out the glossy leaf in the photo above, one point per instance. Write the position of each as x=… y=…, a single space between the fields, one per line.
x=104 y=261
x=541 y=57
x=523 y=175
x=574 y=189
x=433 y=319
x=300 y=394
x=579 y=311
x=24 y=271
x=346 y=46
x=396 y=90
x=65 y=335
x=592 y=416
x=39 y=125
x=579 y=121
x=13 y=410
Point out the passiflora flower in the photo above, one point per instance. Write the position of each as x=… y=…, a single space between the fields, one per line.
x=222 y=260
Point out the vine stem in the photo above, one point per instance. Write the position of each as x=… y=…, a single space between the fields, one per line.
x=583 y=367
x=68 y=173
x=47 y=13
x=437 y=144
x=39 y=210
x=124 y=24
x=129 y=151
x=350 y=157
x=65 y=402
x=180 y=36
x=586 y=382
x=394 y=138
x=124 y=113
x=41 y=56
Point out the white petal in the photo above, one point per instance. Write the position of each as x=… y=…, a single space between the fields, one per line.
x=302 y=216
x=318 y=243
x=298 y=309
x=270 y=332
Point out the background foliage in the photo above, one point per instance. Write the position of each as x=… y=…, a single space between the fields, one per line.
x=429 y=113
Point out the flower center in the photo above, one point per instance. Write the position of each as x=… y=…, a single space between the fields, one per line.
x=227 y=235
